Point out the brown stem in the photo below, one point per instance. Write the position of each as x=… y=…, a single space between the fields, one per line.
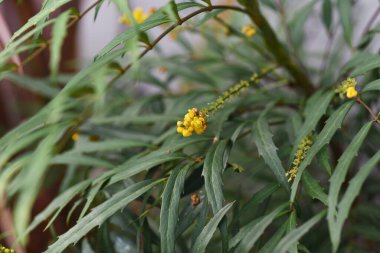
x=373 y=115
x=274 y=46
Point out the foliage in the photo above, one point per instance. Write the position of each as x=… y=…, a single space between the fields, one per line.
x=284 y=155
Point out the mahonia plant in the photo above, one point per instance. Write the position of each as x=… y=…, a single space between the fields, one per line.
x=200 y=126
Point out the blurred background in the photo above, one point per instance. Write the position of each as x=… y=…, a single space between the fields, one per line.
x=87 y=37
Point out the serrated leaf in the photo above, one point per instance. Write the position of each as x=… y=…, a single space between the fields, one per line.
x=312 y=187
x=374 y=85
x=267 y=149
x=344 y=8
x=205 y=236
x=349 y=196
x=338 y=178
x=333 y=123
x=100 y=214
x=249 y=234
x=284 y=245
x=170 y=206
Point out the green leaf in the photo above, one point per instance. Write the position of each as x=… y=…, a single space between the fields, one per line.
x=369 y=64
x=267 y=149
x=327 y=13
x=274 y=240
x=333 y=123
x=337 y=180
x=107 y=145
x=58 y=203
x=291 y=225
x=205 y=236
x=170 y=206
x=351 y=193
x=344 y=8
x=358 y=60
x=213 y=168
x=284 y=245
x=312 y=187
x=71 y=158
x=323 y=158
x=298 y=22
x=374 y=85
x=100 y=214
x=32 y=181
x=59 y=33
x=249 y=234
x=39 y=86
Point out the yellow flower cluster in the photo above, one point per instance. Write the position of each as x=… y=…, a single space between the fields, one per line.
x=194 y=121
x=6 y=250
x=138 y=15
x=248 y=30
x=303 y=147
x=347 y=87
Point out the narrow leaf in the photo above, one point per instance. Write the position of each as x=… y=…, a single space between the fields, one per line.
x=338 y=177
x=205 y=236
x=344 y=8
x=284 y=245
x=267 y=149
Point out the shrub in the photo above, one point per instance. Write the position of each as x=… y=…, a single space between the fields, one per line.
x=249 y=142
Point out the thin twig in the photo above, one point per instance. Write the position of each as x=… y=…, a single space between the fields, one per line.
x=371 y=20
x=373 y=115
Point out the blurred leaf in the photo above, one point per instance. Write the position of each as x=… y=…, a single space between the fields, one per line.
x=41 y=87
x=374 y=85
x=368 y=65
x=358 y=60
x=298 y=22
x=59 y=33
x=32 y=182
x=100 y=214
x=344 y=8
x=333 y=123
x=71 y=158
x=205 y=236
x=291 y=225
x=327 y=13
x=284 y=245
x=267 y=149
x=49 y=7
x=170 y=206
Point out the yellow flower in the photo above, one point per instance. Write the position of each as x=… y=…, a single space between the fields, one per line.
x=6 y=250
x=248 y=30
x=138 y=15
x=351 y=92
x=303 y=147
x=194 y=121
x=75 y=136
x=347 y=88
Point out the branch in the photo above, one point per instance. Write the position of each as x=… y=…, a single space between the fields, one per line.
x=274 y=45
